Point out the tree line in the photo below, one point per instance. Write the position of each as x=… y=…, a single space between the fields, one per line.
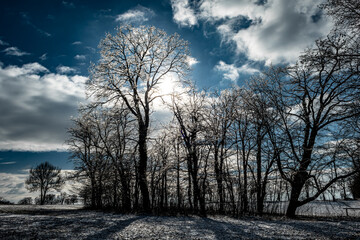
x=291 y=133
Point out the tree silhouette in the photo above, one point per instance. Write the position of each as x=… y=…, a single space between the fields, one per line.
x=44 y=177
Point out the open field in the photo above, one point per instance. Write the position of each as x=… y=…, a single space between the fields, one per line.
x=71 y=222
x=318 y=208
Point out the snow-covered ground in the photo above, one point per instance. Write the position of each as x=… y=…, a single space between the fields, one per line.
x=318 y=208
x=70 y=222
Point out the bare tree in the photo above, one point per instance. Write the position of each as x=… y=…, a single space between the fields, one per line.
x=189 y=116
x=262 y=121
x=133 y=63
x=312 y=98
x=245 y=135
x=114 y=129
x=218 y=122
x=44 y=177
x=346 y=13
x=89 y=156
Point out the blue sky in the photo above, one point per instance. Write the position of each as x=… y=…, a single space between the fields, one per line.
x=46 y=48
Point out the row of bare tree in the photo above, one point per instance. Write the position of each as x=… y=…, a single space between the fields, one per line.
x=290 y=134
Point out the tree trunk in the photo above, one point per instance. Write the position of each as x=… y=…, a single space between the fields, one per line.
x=178 y=190
x=125 y=195
x=142 y=168
x=296 y=187
x=218 y=176
x=93 y=193
x=245 y=204
x=259 y=200
x=42 y=197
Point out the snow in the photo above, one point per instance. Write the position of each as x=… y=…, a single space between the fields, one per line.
x=72 y=222
x=318 y=208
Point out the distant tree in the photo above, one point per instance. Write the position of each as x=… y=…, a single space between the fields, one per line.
x=44 y=177
x=72 y=199
x=50 y=199
x=3 y=201
x=62 y=197
x=25 y=201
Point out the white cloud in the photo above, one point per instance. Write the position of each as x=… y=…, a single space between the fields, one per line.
x=136 y=15
x=3 y=43
x=12 y=187
x=7 y=163
x=79 y=80
x=232 y=73
x=43 y=57
x=191 y=61
x=26 y=69
x=80 y=57
x=14 y=51
x=279 y=29
x=184 y=15
x=285 y=30
x=77 y=43
x=247 y=69
x=65 y=69
x=212 y=10
x=36 y=107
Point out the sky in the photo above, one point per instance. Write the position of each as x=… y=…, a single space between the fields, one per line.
x=46 y=48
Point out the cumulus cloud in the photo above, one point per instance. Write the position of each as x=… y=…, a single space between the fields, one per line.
x=136 y=15
x=65 y=69
x=192 y=61
x=212 y=10
x=36 y=107
x=232 y=73
x=284 y=30
x=26 y=69
x=80 y=57
x=276 y=31
x=14 y=51
x=184 y=15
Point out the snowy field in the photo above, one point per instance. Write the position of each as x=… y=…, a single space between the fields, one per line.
x=318 y=208
x=70 y=222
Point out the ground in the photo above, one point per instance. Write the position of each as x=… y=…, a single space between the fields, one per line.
x=71 y=222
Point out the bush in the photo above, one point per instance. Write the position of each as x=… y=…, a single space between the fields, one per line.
x=25 y=201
